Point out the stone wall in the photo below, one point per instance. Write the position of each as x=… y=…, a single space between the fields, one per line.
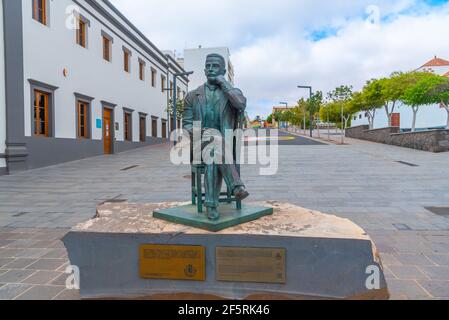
x=433 y=140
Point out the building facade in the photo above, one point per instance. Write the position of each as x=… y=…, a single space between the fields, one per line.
x=3 y=169
x=80 y=80
x=194 y=60
x=429 y=117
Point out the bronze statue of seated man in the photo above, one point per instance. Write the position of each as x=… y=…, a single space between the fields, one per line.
x=218 y=106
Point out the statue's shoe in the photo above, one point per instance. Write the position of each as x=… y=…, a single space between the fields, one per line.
x=212 y=214
x=241 y=193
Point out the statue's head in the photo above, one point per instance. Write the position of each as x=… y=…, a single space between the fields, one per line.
x=215 y=66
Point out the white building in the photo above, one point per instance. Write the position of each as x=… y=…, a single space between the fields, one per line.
x=80 y=80
x=429 y=117
x=3 y=169
x=194 y=60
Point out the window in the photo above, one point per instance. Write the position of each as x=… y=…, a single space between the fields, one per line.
x=106 y=49
x=41 y=118
x=142 y=128
x=171 y=89
x=81 y=33
x=127 y=126
x=141 y=70
x=154 y=127
x=126 y=61
x=40 y=11
x=83 y=120
x=163 y=83
x=178 y=93
x=153 y=77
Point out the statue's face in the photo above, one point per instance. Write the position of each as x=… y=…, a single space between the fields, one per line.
x=214 y=68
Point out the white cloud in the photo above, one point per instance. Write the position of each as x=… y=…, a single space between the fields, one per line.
x=270 y=42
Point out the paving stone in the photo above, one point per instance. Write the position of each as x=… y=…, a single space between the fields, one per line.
x=30 y=253
x=436 y=273
x=42 y=244
x=47 y=264
x=60 y=280
x=41 y=293
x=18 y=236
x=8 y=253
x=4 y=243
x=438 y=289
x=408 y=273
x=42 y=277
x=56 y=254
x=414 y=260
x=388 y=274
x=19 y=263
x=389 y=259
x=68 y=295
x=21 y=244
x=64 y=266
x=441 y=260
x=10 y=291
x=15 y=276
x=406 y=290
x=5 y=261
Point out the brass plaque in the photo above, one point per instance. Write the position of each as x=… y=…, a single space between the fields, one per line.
x=171 y=262
x=262 y=265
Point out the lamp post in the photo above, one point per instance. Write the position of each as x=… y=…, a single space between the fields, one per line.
x=286 y=106
x=311 y=115
x=175 y=102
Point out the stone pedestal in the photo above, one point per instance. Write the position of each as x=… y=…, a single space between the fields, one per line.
x=304 y=255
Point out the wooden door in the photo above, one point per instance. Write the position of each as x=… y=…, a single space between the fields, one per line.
x=41 y=119
x=107 y=131
x=142 y=129
x=164 y=129
x=396 y=120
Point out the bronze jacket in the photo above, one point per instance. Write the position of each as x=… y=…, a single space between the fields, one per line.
x=232 y=108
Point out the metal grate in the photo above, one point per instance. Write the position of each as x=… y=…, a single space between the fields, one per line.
x=129 y=168
x=402 y=227
x=440 y=211
x=408 y=164
x=20 y=214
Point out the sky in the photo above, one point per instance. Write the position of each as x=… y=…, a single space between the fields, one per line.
x=277 y=45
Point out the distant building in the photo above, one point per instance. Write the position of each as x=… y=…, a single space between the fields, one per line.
x=429 y=117
x=194 y=60
x=281 y=124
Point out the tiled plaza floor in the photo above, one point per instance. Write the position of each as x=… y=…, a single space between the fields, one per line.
x=362 y=181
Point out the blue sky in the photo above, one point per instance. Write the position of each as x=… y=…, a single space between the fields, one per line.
x=276 y=45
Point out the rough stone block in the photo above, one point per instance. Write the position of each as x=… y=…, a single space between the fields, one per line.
x=326 y=256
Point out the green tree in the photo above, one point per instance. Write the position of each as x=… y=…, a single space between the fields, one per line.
x=179 y=108
x=369 y=100
x=331 y=111
x=419 y=92
x=440 y=94
x=342 y=97
x=392 y=89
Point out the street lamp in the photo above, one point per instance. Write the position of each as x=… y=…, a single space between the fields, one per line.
x=311 y=115
x=286 y=106
x=175 y=102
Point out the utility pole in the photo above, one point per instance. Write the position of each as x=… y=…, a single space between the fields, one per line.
x=311 y=115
